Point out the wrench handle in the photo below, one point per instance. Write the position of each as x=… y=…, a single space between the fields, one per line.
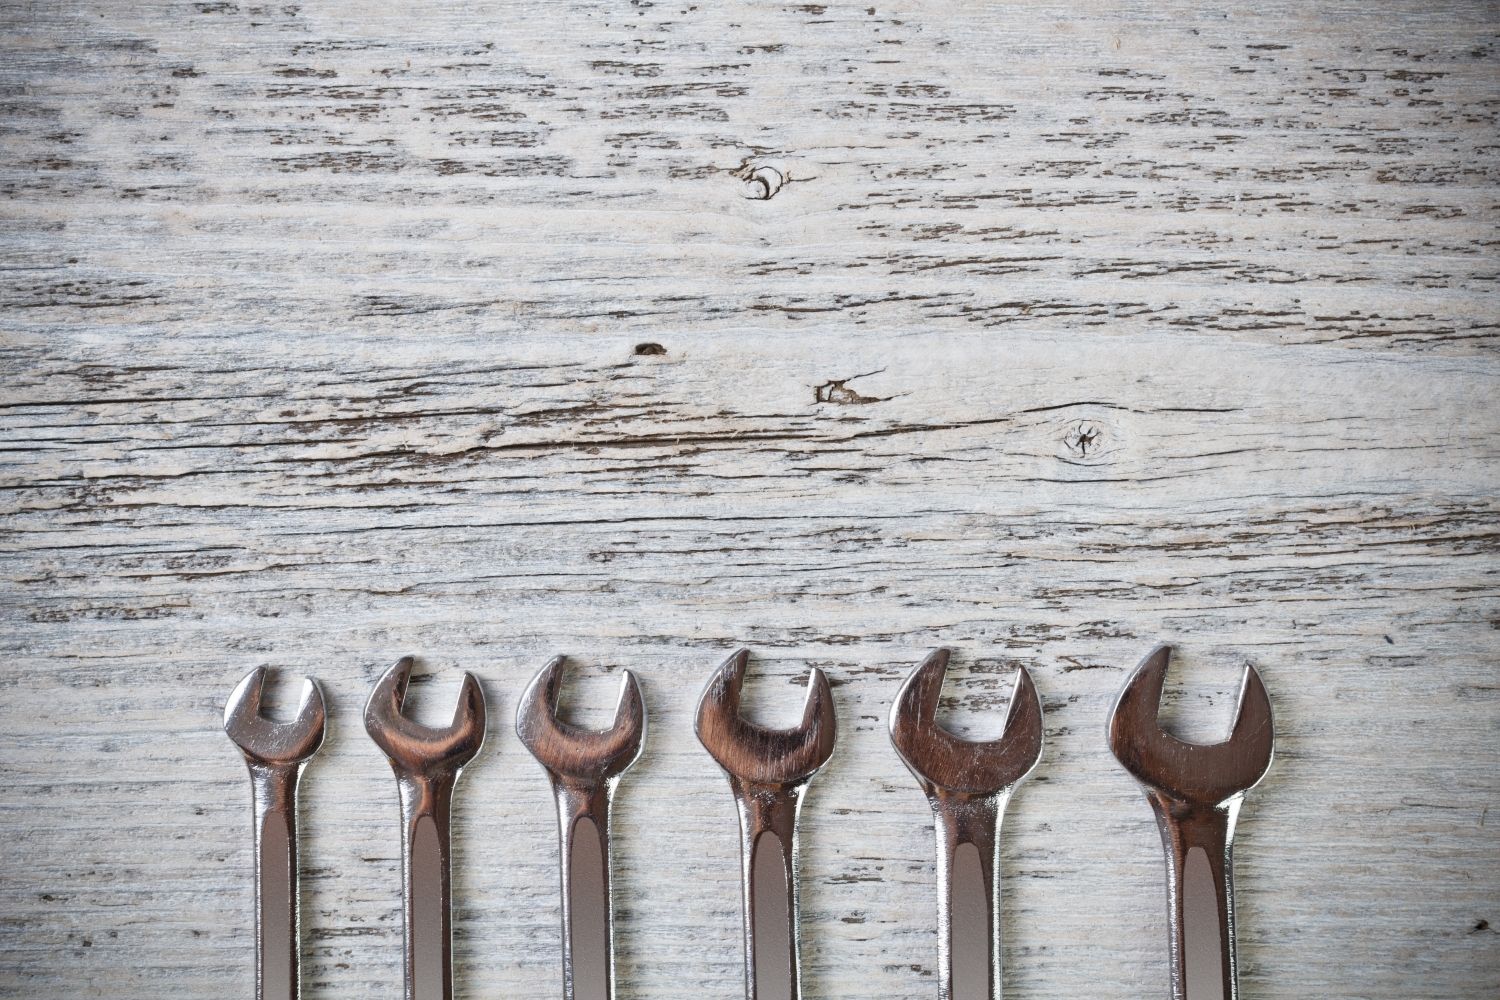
x=1198 y=841
x=587 y=904
x=277 y=916
x=968 y=868
x=769 y=856
x=426 y=804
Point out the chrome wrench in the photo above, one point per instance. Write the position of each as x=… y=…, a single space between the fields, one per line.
x=276 y=753
x=427 y=763
x=968 y=785
x=1196 y=792
x=768 y=770
x=585 y=768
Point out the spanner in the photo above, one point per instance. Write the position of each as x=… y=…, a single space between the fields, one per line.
x=275 y=754
x=585 y=767
x=768 y=770
x=1196 y=791
x=968 y=784
x=427 y=763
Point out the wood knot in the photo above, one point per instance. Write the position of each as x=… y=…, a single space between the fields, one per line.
x=1084 y=439
x=760 y=181
x=838 y=391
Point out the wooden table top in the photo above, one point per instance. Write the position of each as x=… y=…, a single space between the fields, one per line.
x=640 y=332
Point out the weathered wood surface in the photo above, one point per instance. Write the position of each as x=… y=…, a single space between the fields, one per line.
x=1173 y=323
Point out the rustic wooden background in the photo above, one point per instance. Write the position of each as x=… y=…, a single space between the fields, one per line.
x=1044 y=332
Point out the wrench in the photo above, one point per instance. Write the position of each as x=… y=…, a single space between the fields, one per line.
x=275 y=754
x=427 y=763
x=768 y=770
x=968 y=784
x=1196 y=791
x=584 y=767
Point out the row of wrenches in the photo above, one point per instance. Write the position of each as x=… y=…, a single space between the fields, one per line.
x=1195 y=790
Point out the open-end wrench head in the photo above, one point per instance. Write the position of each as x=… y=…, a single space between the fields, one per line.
x=274 y=743
x=755 y=753
x=941 y=760
x=412 y=747
x=1195 y=773
x=567 y=751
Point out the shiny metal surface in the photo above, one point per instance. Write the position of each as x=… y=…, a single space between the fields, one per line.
x=427 y=763
x=275 y=753
x=768 y=770
x=968 y=784
x=584 y=767
x=1196 y=792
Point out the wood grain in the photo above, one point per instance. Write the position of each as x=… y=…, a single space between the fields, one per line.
x=638 y=332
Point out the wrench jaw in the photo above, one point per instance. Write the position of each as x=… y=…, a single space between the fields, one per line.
x=948 y=766
x=573 y=755
x=415 y=749
x=274 y=744
x=1190 y=776
x=756 y=754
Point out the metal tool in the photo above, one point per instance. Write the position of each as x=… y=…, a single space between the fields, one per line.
x=427 y=763
x=1196 y=791
x=276 y=754
x=768 y=770
x=968 y=784
x=584 y=767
